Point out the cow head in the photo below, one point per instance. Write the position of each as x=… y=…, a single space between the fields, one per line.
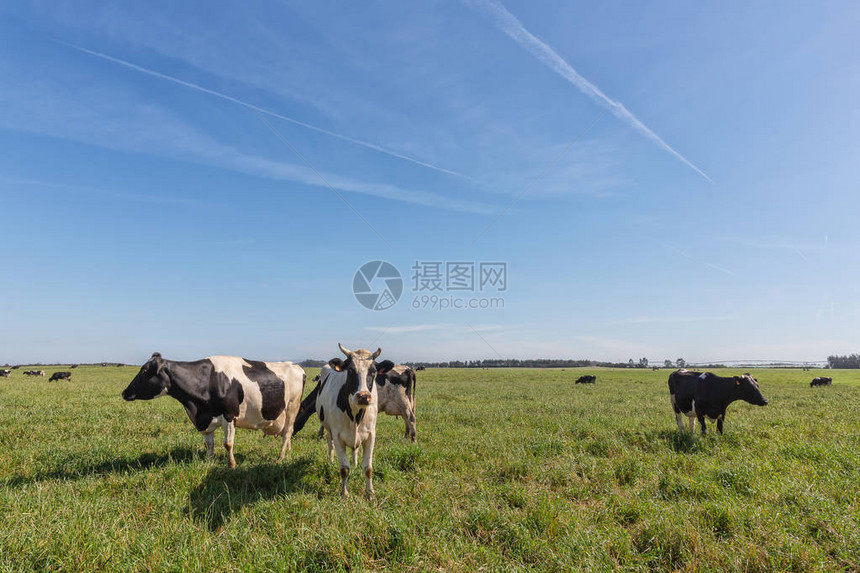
x=151 y=382
x=384 y=367
x=360 y=371
x=747 y=390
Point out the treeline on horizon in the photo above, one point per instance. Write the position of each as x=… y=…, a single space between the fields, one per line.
x=537 y=363
x=849 y=361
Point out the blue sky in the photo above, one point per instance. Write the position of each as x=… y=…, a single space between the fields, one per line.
x=662 y=179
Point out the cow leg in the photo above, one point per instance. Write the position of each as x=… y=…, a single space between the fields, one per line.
x=679 y=417
x=343 y=461
x=720 y=423
x=702 y=423
x=229 y=433
x=692 y=423
x=286 y=445
x=367 y=465
x=355 y=456
x=410 y=425
x=209 y=440
x=330 y=446
x=321 y=432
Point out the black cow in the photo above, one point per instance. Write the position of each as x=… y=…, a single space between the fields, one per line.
x=420 y=368
x=700 y=395
x=821 y=381
x=586 y=379
x=228 y=391
x=60 y=376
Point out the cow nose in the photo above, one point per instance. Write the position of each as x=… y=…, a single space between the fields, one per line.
x=363 y=397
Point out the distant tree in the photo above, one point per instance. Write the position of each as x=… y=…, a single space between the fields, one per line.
x=630 y=363
x=667 y=363
x=850 y=361
x=680 y=363
x=643 y=363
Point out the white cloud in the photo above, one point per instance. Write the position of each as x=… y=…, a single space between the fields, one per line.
x=112 y=118
x=259 y=109
x=509 y=24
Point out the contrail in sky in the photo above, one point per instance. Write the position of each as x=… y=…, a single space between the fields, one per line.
x=509 y=24
x=159 y=75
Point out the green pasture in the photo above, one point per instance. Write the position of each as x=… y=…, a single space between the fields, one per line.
x=514 y=470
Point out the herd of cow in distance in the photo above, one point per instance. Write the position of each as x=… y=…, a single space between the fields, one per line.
x=232 y=392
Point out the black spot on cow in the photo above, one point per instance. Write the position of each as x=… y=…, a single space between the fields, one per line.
x=360 y=415
x=322 y=414
x=343 y=401
x=271 y=388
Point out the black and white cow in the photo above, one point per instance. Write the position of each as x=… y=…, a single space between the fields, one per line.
x=308 y=406
x=60 y=376
x=396 y=386
x=5 y=373
x=226 y=391
x=396 y=389
x=39 y=373
x=347 y=409
x=700 y=395
x=586 y=379
x=821 y=381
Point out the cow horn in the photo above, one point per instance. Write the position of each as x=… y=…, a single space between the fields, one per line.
x=345 y=350
x=376 y=354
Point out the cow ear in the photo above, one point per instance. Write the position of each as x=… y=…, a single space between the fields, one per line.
x=156 y=355
x=737 y=381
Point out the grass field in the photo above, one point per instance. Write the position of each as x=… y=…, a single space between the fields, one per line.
x=514 y=470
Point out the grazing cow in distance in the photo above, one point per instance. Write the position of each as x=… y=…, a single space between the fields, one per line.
x=396 y=390
x=586 y=379
x=226 y=391
x=821 y=381
x=347 y=408
x=60 y=376
x=39 y=373
x=700 y=395
x=5 y=373
x=418 y=368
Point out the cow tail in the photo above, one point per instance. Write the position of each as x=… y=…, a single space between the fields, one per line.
x=414 y=388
